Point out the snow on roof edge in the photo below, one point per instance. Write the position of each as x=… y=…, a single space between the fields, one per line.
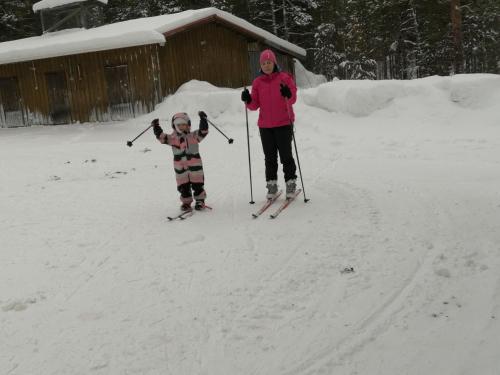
x=48 y=4
x=42 y=52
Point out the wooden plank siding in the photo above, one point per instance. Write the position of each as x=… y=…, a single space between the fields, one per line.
x=85 y=78
x=208 y=52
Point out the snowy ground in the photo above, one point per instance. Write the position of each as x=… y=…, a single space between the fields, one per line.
x=404 y=184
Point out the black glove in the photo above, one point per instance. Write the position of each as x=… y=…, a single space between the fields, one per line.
x=203 y=121
x=245 y=96
x=156 y=127
x=285 y=91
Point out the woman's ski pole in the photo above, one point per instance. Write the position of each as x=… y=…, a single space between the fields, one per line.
x=296 y=151
x=249 y=159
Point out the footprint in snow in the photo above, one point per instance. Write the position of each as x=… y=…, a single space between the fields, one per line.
x=198 y=238
x=19 y=305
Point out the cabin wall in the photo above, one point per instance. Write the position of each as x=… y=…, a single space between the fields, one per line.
x=208 y=52
x=84 y=87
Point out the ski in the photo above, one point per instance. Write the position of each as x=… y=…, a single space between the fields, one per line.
x=183 y=215
x=266 y=205
x=285 y=204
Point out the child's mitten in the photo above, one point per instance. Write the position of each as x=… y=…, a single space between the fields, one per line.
x=203 y=121
x=156 y=127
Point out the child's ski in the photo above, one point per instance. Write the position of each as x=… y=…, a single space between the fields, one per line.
x=266 y=205
x=183 y=215
x=285 y=204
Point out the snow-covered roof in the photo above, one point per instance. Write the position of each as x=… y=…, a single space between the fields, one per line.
x=47 y=4
x=131 y=33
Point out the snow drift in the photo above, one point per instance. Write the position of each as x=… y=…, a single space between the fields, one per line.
x=362 y=98
x=306 y=79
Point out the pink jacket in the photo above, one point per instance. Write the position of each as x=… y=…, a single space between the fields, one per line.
x=266 y=95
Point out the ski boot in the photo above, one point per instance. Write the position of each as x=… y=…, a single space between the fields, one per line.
x=272 y=189
x=185 y=207
x=199 y=205
x=291 y=186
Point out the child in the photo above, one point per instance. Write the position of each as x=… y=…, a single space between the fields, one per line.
x=187 y=161
x=274 y=93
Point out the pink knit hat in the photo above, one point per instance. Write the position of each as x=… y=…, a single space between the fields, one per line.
x=267 y=55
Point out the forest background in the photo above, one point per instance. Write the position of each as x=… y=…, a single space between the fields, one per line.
x=344 y=39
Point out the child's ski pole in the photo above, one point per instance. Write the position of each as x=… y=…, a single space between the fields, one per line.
x=130 y=143
x=229 y=140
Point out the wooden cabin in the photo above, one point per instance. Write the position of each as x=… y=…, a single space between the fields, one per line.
x=122 y=70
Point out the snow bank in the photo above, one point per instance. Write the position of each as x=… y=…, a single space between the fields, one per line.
x=306 y=79
x=358 y=98
x=194 y=96
x=362 y=98
x=475 y=90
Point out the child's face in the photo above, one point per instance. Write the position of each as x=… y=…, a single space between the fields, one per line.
x=183 y=127
x=267 y=66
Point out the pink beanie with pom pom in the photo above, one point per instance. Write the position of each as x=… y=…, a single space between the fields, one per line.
x=267 y=55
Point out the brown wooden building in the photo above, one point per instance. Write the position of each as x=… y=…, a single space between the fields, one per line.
x=122 y=70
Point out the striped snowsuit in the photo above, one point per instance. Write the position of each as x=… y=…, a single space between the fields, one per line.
x=187 y=163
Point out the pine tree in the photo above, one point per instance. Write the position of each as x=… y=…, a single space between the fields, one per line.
x=411 y=39
x=481 y=41
x=456 y=35
x=17 y=20
x=405 y=41
x=225 y=5
x=436 y=43
x=327 y=57
x=359 y=63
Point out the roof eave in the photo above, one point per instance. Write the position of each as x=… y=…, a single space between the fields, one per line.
x=241 y=30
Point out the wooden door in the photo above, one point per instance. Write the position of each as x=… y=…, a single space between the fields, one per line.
x=253 y=60
x=119 y=92
x=59 y=107
x=11 y=110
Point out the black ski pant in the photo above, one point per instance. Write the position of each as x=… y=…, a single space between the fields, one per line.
x=274 y=141
x=198 y=190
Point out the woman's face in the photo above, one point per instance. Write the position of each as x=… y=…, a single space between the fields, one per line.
x=267 y=66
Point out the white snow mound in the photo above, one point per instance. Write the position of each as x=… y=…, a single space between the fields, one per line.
x=362 y=98
x=475 y=90
x=306 y=79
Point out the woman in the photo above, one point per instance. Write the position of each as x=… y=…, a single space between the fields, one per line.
x=273 y=93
